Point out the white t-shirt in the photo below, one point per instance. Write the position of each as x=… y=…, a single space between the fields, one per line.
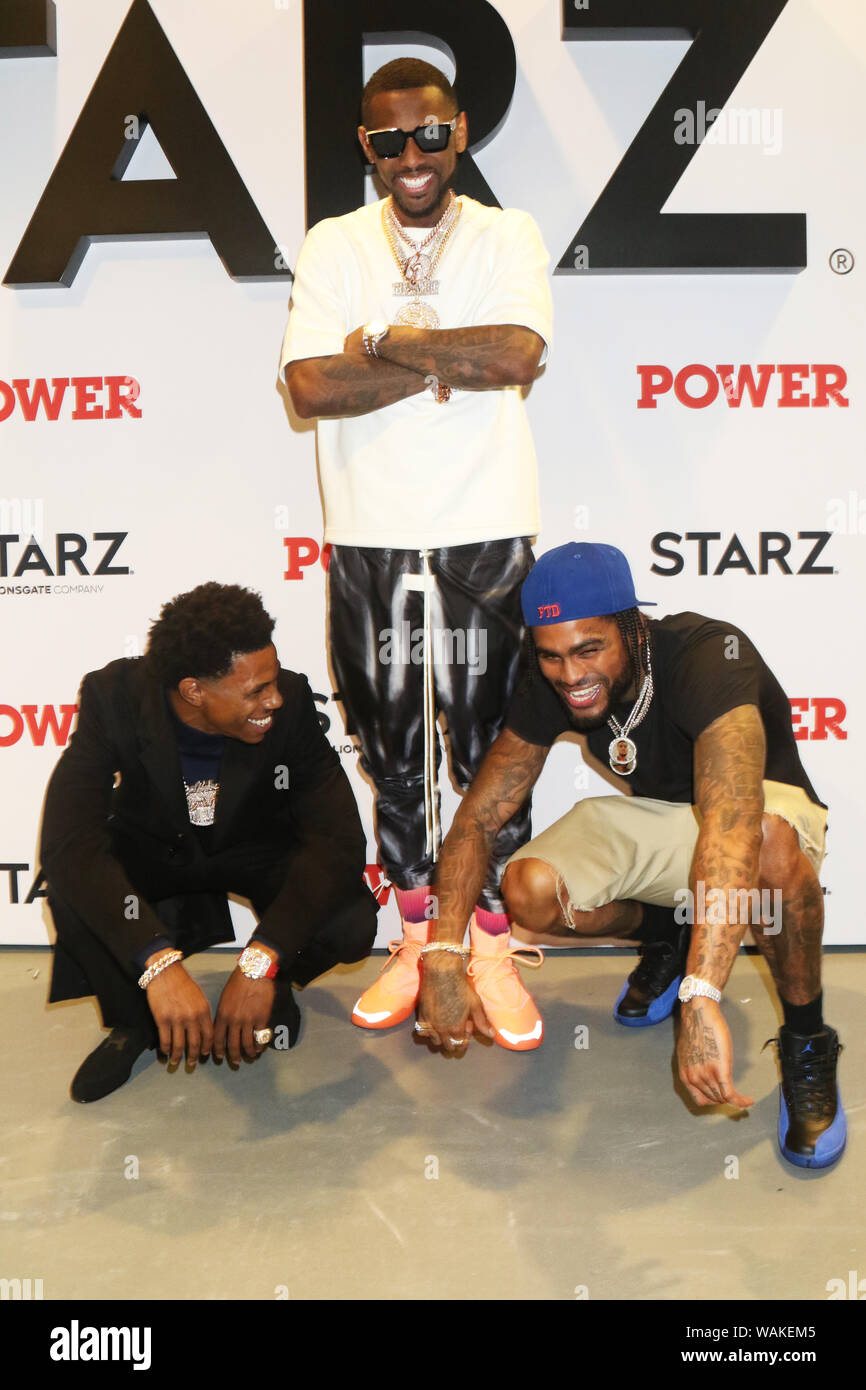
x=417 y=473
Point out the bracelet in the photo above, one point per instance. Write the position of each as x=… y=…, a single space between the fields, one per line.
x=448 y=946
x=158 y=966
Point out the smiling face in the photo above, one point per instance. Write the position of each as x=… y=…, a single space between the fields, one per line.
x=587 y=664
x=239 y=705
x=418 y=180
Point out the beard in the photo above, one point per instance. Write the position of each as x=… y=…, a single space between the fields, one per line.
x=617 y=692
x=437 y=197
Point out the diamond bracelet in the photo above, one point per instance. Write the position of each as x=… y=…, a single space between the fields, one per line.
x=158 y=966
x=448 y=946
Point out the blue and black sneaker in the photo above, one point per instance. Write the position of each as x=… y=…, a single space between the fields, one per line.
x=650 y=992
x=812 y=1125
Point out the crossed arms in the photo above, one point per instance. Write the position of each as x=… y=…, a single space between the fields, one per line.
x=472 y=359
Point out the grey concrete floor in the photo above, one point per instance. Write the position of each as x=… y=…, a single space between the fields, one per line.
x=362 y=1165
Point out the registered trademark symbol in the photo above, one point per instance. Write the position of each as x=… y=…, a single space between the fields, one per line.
x=841 y=261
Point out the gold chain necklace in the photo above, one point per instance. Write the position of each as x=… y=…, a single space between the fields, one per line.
x=417 y=270
x=397 y=226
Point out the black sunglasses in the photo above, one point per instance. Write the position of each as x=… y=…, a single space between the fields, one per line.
x=432 y=136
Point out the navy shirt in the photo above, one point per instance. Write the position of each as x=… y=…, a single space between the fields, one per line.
x=200 y=757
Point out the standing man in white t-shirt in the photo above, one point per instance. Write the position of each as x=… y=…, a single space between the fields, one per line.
x=416 y=324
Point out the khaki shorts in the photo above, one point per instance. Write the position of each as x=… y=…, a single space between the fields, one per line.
x=609 y=848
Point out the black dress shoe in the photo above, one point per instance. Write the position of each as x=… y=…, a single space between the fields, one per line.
x=110 y=1064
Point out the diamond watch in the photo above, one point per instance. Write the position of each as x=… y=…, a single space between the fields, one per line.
x=692 y=985
x=257 y=965
x=373 y=333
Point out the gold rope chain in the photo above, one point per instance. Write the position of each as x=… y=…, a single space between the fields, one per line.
x=397 y=225
x=452 y=213
x=417 y=313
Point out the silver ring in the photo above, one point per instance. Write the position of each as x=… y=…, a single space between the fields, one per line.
x=423 y=1028
x=263 y=1036
x=457 y=1042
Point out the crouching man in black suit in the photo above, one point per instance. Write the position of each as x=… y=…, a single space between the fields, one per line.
x=194 y=771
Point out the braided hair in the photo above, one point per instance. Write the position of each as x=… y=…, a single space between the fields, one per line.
x=631 y=627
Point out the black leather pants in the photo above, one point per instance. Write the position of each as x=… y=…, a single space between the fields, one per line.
x=376 y=633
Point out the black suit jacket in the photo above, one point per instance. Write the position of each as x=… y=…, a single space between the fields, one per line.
x=117 y=836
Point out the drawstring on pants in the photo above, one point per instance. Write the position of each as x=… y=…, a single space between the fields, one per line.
x=431 y=811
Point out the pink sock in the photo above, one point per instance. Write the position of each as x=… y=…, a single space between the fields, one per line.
x=414 y=903
x=494 y=923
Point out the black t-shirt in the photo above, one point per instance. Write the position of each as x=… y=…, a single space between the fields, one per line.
x=699 y=674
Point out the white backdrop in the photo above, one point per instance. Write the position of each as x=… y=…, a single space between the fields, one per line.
x=215 y=476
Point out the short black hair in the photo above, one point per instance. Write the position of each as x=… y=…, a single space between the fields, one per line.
x=404 y=75
x=200 y=633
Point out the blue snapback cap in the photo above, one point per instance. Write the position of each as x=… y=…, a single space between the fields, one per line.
x=578 y=580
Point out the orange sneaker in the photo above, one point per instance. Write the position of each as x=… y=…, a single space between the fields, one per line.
x=510 y=1008
x=391 y=998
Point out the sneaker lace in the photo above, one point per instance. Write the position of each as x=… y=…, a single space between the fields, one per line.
x=495 y=968
x=395 y=948
x=808 y=1079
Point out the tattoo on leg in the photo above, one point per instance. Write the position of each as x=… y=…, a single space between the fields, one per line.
x=794 y=955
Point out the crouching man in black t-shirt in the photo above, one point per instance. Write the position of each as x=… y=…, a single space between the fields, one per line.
x=722 y=825
x=195 y=771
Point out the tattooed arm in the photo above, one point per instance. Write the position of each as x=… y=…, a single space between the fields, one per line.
x=503 y=354
x=352 y=383
x=504 y=781
x=449 y=1006
x=348 y=384
x=729 y=770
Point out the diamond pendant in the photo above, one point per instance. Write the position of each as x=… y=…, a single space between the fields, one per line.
x=417 y=314
x=622 y=754
x=417 y=268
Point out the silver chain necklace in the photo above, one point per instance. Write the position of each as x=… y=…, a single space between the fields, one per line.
x=622 y=752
